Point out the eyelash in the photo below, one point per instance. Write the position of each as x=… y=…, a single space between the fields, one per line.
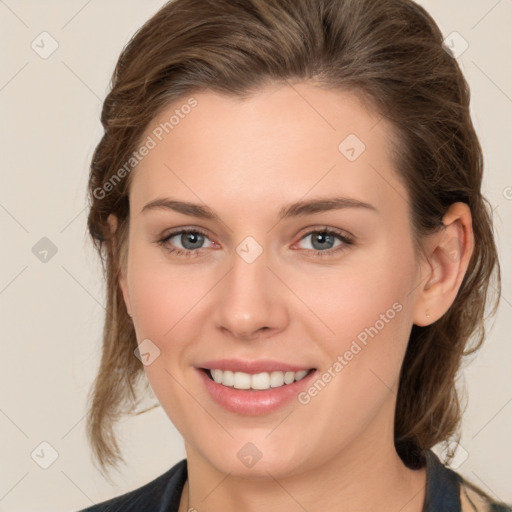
x=346 y=239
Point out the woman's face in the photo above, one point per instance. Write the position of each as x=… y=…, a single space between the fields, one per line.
x=259 y=287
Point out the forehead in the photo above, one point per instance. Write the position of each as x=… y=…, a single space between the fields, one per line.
x=277 y=144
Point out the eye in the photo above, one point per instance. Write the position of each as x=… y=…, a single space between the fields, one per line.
x=189 y=242
x=185 y=242
x=323 y=241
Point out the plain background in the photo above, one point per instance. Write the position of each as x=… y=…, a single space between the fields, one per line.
x=52 y=311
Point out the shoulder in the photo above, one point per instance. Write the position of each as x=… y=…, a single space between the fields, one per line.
x=474 y=499
x=161 y=494
x=449 y=491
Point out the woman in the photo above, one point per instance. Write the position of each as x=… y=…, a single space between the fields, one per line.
x=297 y=252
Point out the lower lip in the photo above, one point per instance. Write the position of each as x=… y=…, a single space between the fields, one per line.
x=254 y=402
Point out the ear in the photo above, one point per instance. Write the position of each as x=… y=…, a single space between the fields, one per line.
x=448 y=255
x=113 y=224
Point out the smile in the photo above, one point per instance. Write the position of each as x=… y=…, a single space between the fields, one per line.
x=257 y=381
x=254 y=388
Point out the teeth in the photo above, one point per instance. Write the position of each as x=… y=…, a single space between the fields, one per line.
x=264 y=380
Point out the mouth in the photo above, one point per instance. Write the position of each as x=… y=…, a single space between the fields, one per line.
x=260 y=381
x=254 y=386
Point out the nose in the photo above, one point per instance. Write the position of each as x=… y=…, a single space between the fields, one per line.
x=250 y=301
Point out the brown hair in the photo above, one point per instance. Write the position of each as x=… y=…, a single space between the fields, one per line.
x=390 y=52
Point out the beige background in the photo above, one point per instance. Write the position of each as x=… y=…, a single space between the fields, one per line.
x=52 y=311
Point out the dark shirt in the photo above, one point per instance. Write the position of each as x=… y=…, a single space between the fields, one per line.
x=446 y=491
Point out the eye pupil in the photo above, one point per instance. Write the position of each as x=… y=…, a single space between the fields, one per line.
x=193 y=238
x=323 y=239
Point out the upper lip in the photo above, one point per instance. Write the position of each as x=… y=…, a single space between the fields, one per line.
x=253 y=366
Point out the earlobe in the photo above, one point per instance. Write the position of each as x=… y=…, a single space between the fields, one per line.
x=449 y=253
x=113 y=225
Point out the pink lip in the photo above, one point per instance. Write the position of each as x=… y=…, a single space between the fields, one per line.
x=256 y=366
x=253 y=402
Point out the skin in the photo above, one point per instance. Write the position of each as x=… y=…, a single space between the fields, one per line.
x=245 y=159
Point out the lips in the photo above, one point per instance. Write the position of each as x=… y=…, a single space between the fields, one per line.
x=249 y=400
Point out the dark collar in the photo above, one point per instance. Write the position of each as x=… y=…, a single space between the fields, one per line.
x=443 y=486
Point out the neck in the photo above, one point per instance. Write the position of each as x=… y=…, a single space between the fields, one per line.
x=364 y=477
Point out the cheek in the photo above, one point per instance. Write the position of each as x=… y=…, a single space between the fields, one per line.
x=355 y=301
x=162 y=294
x=166 y=299
x=368 y=314
x=163 y=298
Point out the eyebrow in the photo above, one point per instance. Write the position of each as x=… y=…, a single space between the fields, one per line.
x=297 y=209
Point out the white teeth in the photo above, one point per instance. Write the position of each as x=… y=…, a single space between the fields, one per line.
x=242 y=380
x=216 y=375
x=228 y=378
x=263 y=380
x=260 y=381
x=300 y=375
x=276 y=379
x=289 y=377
